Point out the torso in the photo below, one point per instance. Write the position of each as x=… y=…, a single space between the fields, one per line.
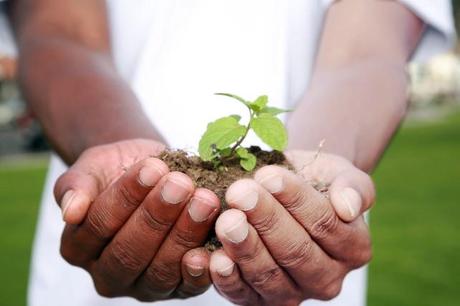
x=176 y=54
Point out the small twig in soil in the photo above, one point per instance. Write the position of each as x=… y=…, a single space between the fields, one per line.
x=316 y=156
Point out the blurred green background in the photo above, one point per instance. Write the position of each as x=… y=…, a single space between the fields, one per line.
x=414 y=223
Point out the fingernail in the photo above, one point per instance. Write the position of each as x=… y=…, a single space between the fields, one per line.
x=73 y=200
x=174 y=192
x=224 y=266
x=67 y=200
x=148 y=176
x=352 y=200
x=238 y=232
x=200 y=210
x=273 y=184
x=195 y=271
x=247 y=201
x=227 y=271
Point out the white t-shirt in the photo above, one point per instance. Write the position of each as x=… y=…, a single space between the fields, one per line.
x=7 y=47
x=176 y=54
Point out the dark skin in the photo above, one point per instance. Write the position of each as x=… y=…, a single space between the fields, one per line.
x=68 y=42
x=283 y=234
x=66 y=66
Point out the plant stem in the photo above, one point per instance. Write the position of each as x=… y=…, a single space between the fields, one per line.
x=248 y=127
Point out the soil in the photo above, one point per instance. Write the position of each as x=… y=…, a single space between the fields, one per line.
x=218 y=180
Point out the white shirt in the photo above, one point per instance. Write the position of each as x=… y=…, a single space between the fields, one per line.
x=7 y=47
x=176 y=54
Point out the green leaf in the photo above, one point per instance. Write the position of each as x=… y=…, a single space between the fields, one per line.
x=242 y=152
x=274 y=110
x=271 y=130
x=249 y=163
x=237 y=117
x=225 y=152
x=221 y=133
x=234 y=97
x=259 y=103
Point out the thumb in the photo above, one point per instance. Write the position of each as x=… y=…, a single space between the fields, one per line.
x=352 y=193
x=74 y=191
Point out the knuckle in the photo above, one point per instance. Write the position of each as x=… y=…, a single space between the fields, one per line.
x=144 y=297
x=68 y=255
x=122 y=256
x=264 y=279
x=103 y=290
x=297 y=255
x=266 y=224
x=185 y=238
x=130 y=200
x=71 y=254
x=330 y=291
x=295 y=201
x=183 y=294
x=361 y=258
x=233 y=290
x=326 y=224
x=191 y=290
x=147 y=296
x=98 y=227
x=366 y=256
x=250 y=255
x=154 y=222
x=162 y=279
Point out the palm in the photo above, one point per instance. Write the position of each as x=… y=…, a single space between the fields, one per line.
x=333 y=173
x=108 y=162
x=319 y=167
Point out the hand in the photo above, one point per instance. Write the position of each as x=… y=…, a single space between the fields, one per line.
x=128 y=226
x=284 y=241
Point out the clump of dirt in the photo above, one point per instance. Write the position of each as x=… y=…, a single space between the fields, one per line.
x=205 y=175
x=218 y=180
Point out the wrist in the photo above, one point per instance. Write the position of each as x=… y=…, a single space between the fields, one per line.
x=355 y=109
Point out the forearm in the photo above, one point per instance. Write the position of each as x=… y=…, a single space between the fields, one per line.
x=79 y=98
x=358 y=92
x=68 y=77
x=355 y=108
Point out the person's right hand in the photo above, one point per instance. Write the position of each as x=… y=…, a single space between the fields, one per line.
x=133 y=225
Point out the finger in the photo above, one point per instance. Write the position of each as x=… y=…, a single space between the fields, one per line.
x=110 y=211
x=352 y=190
x=228 y=281
x=346 y=242
x=195 y=273
x=134 y=246
x=242 y=244
x=352 y=193
x=79 y=187
x=74 y=191
x=189 y=232
x=289 y=244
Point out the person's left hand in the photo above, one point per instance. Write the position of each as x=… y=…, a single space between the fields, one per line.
x=284 y=241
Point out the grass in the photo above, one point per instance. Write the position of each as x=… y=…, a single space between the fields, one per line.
x=414 y=223
x=20 y=189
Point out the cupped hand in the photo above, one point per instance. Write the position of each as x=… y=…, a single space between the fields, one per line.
x=285 y=241
x=135 y=226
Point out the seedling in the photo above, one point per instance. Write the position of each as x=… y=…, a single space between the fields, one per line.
x=223 y=138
